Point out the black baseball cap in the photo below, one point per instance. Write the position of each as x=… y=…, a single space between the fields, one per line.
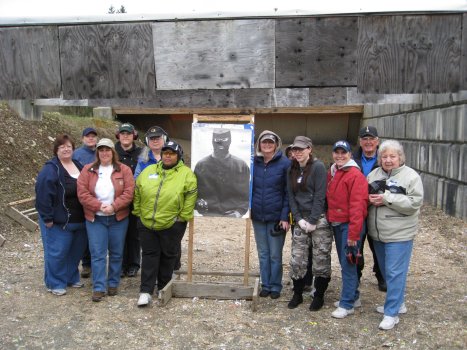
x=368 y=131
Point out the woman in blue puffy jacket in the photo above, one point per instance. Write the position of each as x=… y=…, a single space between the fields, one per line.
x=270 y=210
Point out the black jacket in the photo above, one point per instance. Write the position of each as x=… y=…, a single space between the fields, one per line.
x=130 y=157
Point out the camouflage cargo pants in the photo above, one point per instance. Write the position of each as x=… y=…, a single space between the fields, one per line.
x=321 y=241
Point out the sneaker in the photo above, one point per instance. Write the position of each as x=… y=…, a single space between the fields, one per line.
x=112 y=291
x=388 y=322
x=402 y=309
x=340 y=312
x=97 y=296
x=275 y=295
x=297 y=299
x=357 y=303
x=58 y=292
x=77 y=285
x=144 y=299
x=132 y=272
x=86 y=271
x=264 y=293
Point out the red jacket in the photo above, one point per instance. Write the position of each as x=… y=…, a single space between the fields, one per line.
x=124 y=186
x=347 y=198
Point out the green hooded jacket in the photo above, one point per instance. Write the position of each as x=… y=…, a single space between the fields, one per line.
x=163 y=196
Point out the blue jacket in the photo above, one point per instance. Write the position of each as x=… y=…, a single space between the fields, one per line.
x=269 y=199
x=84 y=155
x=145 y=159
x=50 y=192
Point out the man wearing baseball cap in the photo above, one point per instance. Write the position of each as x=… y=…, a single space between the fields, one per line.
x=366 y=158
x=86 y=154
x=128 y=153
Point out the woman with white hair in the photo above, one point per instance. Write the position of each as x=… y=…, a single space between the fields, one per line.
x=396 y=195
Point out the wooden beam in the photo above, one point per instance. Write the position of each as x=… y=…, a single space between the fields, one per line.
x=254 y=301
x=217 y=273
x=166 y=293
x=288 y=110
x=210 y=291
x=20 y=218
x=2 y=240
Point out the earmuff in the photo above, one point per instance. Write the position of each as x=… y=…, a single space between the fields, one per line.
x=135 y=132
x=154 y=129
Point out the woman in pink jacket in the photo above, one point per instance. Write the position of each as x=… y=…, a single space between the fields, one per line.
x=347 y=200
x=105 y=189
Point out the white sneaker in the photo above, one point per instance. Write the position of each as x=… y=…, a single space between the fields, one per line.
x=402 y=309
x=58 y=292
x=357 y=303
x=341 y=312
x=144 y=299
x=388 y=322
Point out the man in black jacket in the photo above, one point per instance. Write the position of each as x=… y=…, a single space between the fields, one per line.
x=128 y=152
x=366 y=158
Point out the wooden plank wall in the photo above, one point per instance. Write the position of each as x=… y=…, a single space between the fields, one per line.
x=107 y=60
x=295 y=62
x=409 y=54
x=316 y=51
x=29 y=63
x=214 y=54
x=463 y=76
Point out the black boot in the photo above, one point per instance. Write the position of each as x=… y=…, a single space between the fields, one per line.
x=321 y=284
x=297 y=298
x=381 y=283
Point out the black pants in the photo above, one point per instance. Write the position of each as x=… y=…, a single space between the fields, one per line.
x=160 y=253
x=132 y=250
x=361 y=265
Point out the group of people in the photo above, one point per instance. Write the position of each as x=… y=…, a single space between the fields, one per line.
x=133 y=205
x=126 y=204
x=369 y=195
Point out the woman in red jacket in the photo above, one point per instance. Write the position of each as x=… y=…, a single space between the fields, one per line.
x=105 y=189
x=347 y=200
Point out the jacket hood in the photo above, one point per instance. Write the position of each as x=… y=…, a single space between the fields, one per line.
x=279 y=143
x=349 y=164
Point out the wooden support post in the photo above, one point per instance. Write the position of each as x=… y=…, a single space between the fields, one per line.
x=247 y=252
x=166 y=293
x=254 y=301
x=191 y=230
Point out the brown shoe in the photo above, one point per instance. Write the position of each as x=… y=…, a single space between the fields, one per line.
x=112 y=291
x=86 y=271
x=97 y=296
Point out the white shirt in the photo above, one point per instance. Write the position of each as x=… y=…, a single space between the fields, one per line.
x=105 y=191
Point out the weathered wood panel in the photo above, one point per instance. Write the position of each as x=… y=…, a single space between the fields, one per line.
x=316 y=51
x=463 y=77
x=229 y=54
x=107 y=61
x=409 y=54
x=29 y=63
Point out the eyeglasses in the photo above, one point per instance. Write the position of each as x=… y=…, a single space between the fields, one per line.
x=155 y=138
x=268 y=141
x=63 y=147
x=368 y=138
x=169 y=153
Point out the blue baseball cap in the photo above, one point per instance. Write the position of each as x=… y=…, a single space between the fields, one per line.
x=88 y=131
x=342 y=144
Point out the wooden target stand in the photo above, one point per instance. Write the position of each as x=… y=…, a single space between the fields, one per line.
x=214 y=290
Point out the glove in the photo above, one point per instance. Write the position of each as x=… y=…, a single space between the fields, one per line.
x=310 y=227
x=302 y=223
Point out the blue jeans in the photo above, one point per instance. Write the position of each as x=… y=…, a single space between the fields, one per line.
x=44 y=245
x=350 y=291
x=106 y=234
x=394 y=261
x=64 y=250
x=269 y=255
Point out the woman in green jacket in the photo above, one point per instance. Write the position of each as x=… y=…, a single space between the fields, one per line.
x=165 y=197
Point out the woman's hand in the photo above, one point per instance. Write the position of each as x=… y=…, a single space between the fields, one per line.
x=351 y=243
x=285 y=225
x=49 y=224
x=107 y=209
x=376 y=199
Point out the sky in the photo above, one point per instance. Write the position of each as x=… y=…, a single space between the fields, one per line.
x=77 y=8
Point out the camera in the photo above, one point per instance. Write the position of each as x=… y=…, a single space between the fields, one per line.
x=377 y=187
x=396 y=189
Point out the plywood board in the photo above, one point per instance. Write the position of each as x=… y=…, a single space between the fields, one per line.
x=29 y=63
x=107 y=61
x=225 y=54
x=409 y=54
x=316 y=51
x=463 y=76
